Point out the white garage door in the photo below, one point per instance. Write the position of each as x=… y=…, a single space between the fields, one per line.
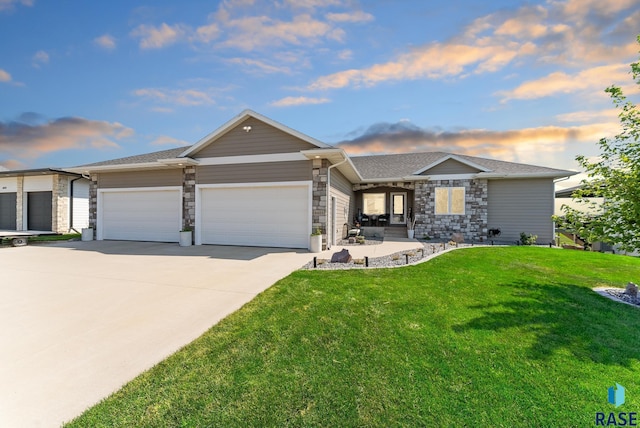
x=270 y=216
x=141 y=215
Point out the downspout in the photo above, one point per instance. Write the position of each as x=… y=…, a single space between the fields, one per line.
x=71 y=204
x=329 y=206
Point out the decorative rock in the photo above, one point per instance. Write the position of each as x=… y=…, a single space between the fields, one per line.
x=352 y=240
x=458 y=238
x=631 y=290
x=342 y=256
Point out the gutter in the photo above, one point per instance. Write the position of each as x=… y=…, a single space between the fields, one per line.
x=329 y=205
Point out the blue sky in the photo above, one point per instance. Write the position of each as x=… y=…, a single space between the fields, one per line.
x=82 y=81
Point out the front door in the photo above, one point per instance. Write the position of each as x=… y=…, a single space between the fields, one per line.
x=398 y=208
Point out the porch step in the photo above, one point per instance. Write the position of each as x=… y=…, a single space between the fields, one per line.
x=395 y=232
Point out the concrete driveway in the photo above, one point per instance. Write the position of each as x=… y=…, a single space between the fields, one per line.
x=78 y=320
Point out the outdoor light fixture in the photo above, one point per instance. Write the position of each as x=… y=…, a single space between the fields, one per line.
x=247 y=128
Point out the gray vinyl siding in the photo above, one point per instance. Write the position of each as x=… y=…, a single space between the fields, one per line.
x=262 y=139
x=154 y=178
x=341 y=189
x=516 y=206
x=450 y=166
x=263 y=172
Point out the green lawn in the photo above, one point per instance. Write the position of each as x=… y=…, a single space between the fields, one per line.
x=477 y=337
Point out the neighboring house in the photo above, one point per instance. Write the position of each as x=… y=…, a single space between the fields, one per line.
x=44 y=200
x=564 y=197
x=256 y=182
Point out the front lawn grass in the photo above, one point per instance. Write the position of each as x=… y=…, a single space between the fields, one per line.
x=498 y=337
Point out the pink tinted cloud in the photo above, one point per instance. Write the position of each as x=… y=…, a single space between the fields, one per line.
x=29 y=141
x=515 y=145
x=433 y=61
x=592 y=79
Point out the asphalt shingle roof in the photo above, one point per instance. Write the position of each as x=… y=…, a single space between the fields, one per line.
x=405 y=164
x=144 y=158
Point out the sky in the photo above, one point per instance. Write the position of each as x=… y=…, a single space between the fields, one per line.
x=83 y=82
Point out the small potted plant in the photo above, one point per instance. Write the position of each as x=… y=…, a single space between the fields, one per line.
x=315 y=245
x=186 y=237
x=411 y=228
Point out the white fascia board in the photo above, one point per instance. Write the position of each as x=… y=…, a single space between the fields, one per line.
x=241 y=117
x=388 y=179
x=274 y=157
x=178 y=161
x=455 y=158
x=123 y=167
x=557 y=174
x=452 y=177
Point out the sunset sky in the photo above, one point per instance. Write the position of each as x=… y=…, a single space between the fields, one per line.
x=84 y=81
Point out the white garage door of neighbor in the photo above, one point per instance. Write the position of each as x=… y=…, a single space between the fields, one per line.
x=271 y=216
x=142 y=215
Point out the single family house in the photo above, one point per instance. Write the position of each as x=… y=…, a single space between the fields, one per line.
x=256 y=182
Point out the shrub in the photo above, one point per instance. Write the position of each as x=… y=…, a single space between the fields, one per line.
x=528 y=239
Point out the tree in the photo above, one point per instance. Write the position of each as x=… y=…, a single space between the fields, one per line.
x=614 y=176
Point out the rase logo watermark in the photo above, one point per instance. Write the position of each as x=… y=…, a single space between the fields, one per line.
x=616 y=396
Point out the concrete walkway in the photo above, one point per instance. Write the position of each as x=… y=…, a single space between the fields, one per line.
x=81 y=319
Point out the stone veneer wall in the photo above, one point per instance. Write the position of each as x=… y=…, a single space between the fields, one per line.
x=60 y=204
x=93 y=203
x=20 y=205
x=189 y=198
x=320 y=197
x=472 y=225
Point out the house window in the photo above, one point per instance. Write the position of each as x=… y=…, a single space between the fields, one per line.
x=449 y=200
x=374 y=203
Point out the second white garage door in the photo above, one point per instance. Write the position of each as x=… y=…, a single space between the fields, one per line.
x=141 y=215
x=264 y=216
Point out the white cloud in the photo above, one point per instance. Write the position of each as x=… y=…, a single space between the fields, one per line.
x=106 y=41
x=158 y=37
x=250 y=33
x=180 y=97
x=297 y=101
x=589 y=116
x=357 y=16
x=254 y=65
x=10 y=4
x=4 y=76
x=39 y=59
x=207 y=33
x=553 y=33
x=165 y=140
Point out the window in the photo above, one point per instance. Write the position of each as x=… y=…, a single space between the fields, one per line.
x=374 y=203
x=449 y=200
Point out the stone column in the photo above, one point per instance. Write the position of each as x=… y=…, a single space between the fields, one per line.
x=60 y=204
x=20 y=205
x=189 y=197
x=320 y=198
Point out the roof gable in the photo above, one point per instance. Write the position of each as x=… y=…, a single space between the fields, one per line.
x=451 y=164
x=251 y=133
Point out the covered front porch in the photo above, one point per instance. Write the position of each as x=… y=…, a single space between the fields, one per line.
x=384 y=205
